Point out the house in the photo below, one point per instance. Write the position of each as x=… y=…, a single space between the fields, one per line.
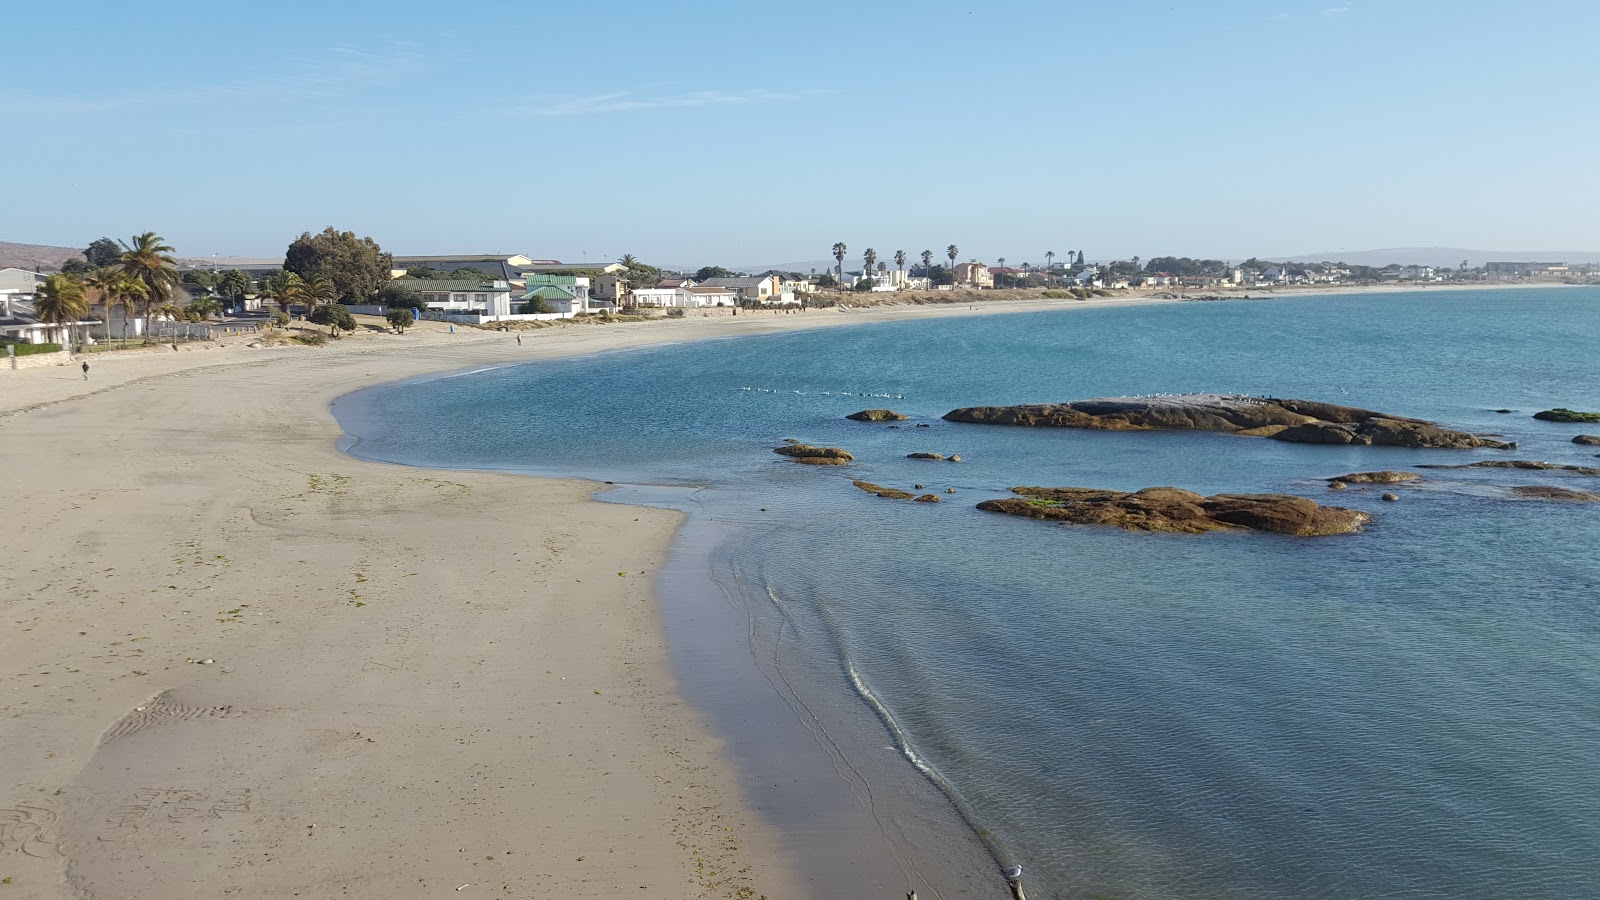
x=683 y=294
x=552 y=267
x=611 y=288
x=484 y=298
x=20 y=323
x=1088 y=278
x=975 y=274
x=751 y=288
x=711 y=295
x=22 y=281
x=568 y=294
x=493 y=266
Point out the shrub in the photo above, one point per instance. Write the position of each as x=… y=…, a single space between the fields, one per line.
x=310 y=338
x=335 y=315
x=34 y=349
x=674 y=313
x=1058 y=295
x=400 y=319
x=864 y=285
x=280 y=319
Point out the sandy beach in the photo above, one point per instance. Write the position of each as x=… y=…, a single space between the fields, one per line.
x=242 y=663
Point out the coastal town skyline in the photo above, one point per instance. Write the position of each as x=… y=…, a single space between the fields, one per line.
x=1246 y=128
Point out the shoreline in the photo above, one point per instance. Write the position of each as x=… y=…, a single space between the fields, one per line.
x=169 y=425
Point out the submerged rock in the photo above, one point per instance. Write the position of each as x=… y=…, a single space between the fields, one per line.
x=815 y=456
x=1390 y=498
x=1170 y=509
x=1337 y=485
x=1543 y=492
x=1377 y=477
x=930 y=498
x=924 y=456
x=1301 y=421
x=884 y=492
x=1588 y=440
x=1561 y=414
x=1530 y=464
x=877 y=415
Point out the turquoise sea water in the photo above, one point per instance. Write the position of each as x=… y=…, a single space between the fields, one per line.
x=1409 y=712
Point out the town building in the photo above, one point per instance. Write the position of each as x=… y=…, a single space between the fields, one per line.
x=494 y=267
x=483 y=298
x=761 y=288
x=974 y=274
x=1525 y=269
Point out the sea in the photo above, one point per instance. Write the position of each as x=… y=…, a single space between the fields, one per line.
x=1408 y=712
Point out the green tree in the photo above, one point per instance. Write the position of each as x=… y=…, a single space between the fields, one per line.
x=233 y=284
x=200 y=278
x=76 y=266
x=709 y=272
x=400 y=319
x=202 y=308
x=424 y=273
x=839 y=251
x=103 y=252
x=358 y=267
x=60 y=301
x=870 y=257
x=900 y=265
x=952 y=251
x=149 y=260
x=864 y=285
x=334 y=315
x=284 y=288
x=927 y=262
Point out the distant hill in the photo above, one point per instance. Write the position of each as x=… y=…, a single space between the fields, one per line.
x=35 y=256
x=1440 y=257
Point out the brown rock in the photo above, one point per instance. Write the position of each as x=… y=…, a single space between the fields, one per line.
x=1543 y=492
x=1390 y=498
x=1337 y=486
x=924 y=456
x=1177 y=510
x=1377 y=477
x=930 y=498
x=1530 y=464
x=820 y=461
x=884 y=492
x=806 y=451
x=1589 y=440
x=1303 y=421
x=877 y=415
x=954 y=457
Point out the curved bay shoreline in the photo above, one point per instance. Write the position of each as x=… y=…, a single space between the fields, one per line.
x=268 y=414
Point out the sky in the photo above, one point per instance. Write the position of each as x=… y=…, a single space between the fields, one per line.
x=740 y=133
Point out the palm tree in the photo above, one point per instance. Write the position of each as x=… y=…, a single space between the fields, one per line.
x=952 y=251
x=1049 y=261
x=319 y=290
x=838 y=255
x=927 y=265
x=234 y=284
x=871 y=258
x=628 y=261
x=149 y=260
x=900 y=264
x=1001 y=262
x=60 y=301
x=285 y=288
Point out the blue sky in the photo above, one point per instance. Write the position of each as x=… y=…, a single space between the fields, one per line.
x=745 y=133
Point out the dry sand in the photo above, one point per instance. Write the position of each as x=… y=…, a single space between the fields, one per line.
x=240 y=663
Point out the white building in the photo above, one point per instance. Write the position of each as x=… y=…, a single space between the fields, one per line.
x=489 y=298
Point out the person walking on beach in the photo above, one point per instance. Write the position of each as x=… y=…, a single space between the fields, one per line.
x=86 y=370
x=519 y=340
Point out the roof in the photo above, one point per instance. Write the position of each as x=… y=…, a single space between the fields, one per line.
x=708 y=290
x=551 y=292
x=444 y=285
x=738 y=281
x=496 y=267
x=670 y=283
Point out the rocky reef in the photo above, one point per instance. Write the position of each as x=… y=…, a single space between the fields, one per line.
x=814 y=456
x=1176 y=510
x=1529 y=464
x=886 y=493
x=1543 y=492
x=1562 y=414
x=1587 y=440
x=1377 y=477
x=1299 y=421
x=877 y=415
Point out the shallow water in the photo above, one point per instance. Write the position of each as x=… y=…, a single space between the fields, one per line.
x=1409 y=712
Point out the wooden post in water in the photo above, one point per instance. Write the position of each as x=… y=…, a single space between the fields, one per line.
x=1013 y=876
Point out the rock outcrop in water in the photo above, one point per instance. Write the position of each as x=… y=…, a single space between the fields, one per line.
x=1300 y=421
x=1176 y=510
x=1529 y=464
x=1588 y=440
x=815 y=456
x=1377 y=477
x=878 y=415
x=1561 y=414
x=1542 y=492
x=886 y=493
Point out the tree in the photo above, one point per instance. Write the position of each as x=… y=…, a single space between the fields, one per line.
x=940 y=275
x=149 y=259
x=284 y=288
x=60 y=301
x=838 y=257
x=707 y=273
x=400 y=319
x=927 y=263
x=1049 y=260
x=1080 y=257
x=103 y=252
x=335 y=316
x=233 y=284
x=319 y=291
x=76 y=266
x=826 y=279
x=358 y=267
x=952 y=251
x=200 y=278
x=864 y=285
x=871 y=259
x=202 y=308
x=900 y=265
